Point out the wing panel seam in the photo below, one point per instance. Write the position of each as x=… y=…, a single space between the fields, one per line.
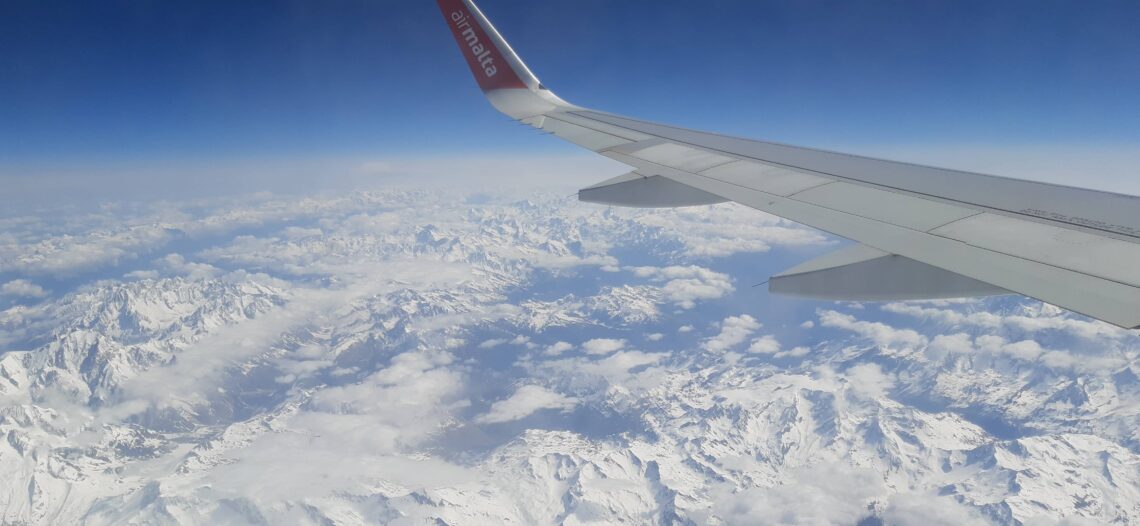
x=948 y=223
x=564 y=121
x=792 y=195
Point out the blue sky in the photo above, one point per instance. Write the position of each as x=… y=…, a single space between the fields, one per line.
x=89 y=82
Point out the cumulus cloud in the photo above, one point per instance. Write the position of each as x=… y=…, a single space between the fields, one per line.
x=733 y=331
x=958 y=343
x=881 y=334
x=1008 y=338
x=492 y=343
x=1034 y=318
x=944 y=316
x=765 y=345
x=868 y=380
x=411 y=379
x=992 y=345
x=794 y=352
x=769 y=345
x=617 y=365
x=599 y=346
x=22 y=288
x=614 y=368
x=1027 y=350
x=526 y=401
x=177 y=265
x=684 y=286
x=558 y=348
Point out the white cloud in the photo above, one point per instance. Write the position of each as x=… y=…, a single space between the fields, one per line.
x=868 y=380
x=821 y=495
x=176 y=264
x=294 y=232
x=143 y=274
x=596 y=374
x=655 y=337
x=22 y=288
x=350 y=435
x=616 y=367
x=1063 y=322
x=492 y=343
x=370 y=224
x=68 y=255
x=723 y=230
x=1036 y=319
x=795 y=352
x=765 y=345
x=1023 y=351
x=958 y=343
x=684 y=286
x=603 y=346
x=945 y=316
x=1027 y=350
x=557 y=349
x=907 y=509
x=881 y=334
x=526 y=401
x=414 y=378
x=553 y=261
x=733 y=331
x=199 y=365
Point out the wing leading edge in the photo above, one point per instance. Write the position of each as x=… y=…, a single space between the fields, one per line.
x=949 y=233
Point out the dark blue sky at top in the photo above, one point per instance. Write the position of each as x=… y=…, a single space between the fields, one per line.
x=115 y=80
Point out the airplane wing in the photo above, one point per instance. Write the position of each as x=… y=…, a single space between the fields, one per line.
x=923 y=232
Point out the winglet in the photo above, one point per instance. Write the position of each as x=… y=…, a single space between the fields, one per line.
x=503 y=77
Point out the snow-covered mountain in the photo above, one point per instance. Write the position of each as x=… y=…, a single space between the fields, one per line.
x=436 y=357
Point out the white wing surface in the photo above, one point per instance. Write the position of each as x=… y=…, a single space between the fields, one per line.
x=926 y=232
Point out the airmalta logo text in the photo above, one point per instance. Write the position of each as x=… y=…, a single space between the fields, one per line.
x=482 y=53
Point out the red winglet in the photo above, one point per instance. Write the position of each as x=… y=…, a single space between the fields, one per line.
x=491 y=68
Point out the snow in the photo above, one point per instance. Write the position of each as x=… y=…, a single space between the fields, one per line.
x=408 y=357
